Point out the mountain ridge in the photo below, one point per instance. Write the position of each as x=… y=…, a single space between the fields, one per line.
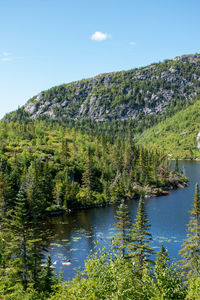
x=122 y=95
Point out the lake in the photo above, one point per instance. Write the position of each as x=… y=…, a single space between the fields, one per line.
x=74 y=234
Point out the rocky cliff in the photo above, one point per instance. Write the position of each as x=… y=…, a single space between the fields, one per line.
x=122 y=95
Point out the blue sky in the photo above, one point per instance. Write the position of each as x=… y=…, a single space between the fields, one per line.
x=44 y=43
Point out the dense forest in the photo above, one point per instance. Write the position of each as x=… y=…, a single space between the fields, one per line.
x=72 y=167
x=93 y=143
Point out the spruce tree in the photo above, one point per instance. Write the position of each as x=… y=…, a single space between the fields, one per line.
x=139 y=247
x=22 y=232
x=122 y=237
x=191 y=247
x=38 y=236
x=5 y=235
x=48 y=276
x=29 y=240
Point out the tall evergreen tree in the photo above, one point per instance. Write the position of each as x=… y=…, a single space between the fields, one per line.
x=139 y=247
x=38 y=236
x=191 y=247
x=48 y=276
x=22 y=232
x=122 y=237
x=5 y=235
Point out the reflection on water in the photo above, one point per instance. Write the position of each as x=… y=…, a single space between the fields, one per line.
x=74 y=235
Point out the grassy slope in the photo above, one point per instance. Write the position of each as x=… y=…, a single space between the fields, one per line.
x=167 y=135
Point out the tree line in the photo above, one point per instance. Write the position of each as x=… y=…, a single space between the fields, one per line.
x=71 y=169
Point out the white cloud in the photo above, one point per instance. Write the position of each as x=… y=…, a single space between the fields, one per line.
x=6 y=53
x=100 y=36
x=132 y=43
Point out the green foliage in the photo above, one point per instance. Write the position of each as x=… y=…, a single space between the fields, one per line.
x=48 y=278
x=71 y=167
x=176 y=135
x=123 y=226
x=191 y=248
x=107 y=278
x=193 y=288
x=139 y=247
x=168 y=283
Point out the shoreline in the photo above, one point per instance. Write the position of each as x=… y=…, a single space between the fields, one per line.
x=156 y=192
x=180 y=159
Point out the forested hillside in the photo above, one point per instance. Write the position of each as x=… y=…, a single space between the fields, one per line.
x=176 y=136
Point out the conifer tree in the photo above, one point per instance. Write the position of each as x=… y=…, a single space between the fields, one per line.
x=22 y=232
x=139 y=247
x=122 y=237
x=48 y=276
x=5 y=235
x=38 y=236
x=191 y=247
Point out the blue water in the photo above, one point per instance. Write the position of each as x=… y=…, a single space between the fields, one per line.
x=74 y=235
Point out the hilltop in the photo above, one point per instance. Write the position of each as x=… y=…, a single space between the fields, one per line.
x=122 y=95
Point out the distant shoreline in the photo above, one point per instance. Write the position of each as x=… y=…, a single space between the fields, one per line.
x=157 y=192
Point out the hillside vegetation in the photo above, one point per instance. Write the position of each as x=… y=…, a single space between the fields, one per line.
x=176 y=136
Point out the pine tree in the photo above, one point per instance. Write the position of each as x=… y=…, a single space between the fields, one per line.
x=22 y=232
x=48 y=276
x=191 y=247
x=122 y=237
x=5 y=235
x=38 y=237
x=139 y=248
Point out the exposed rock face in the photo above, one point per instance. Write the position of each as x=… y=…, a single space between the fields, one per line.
x=122 y=95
